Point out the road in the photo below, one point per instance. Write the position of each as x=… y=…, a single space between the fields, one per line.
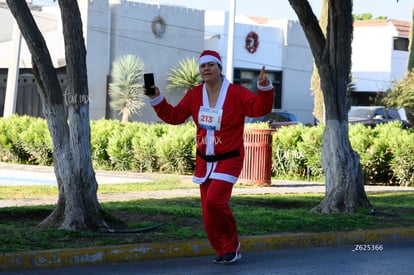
x=385 y=258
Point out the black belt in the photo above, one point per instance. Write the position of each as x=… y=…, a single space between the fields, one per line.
x=214 y=158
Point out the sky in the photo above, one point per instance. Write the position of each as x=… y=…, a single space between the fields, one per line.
x=281 y=9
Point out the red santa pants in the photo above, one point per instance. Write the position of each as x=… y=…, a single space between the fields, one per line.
x=219 y=222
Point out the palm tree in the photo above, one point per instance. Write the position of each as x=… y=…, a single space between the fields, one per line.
x=126 y=88
x=184 y=76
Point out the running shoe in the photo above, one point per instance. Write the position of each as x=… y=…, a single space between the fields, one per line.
x=232 y=257
x=218 y=260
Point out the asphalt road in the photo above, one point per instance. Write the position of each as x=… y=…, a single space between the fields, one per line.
x=384 y=258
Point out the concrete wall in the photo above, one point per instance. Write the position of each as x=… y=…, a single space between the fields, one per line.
x=97 y=16
x=297 y=72
x=48 y=23
x=115 y=28
x=131 y=33
x=283 y=47
x=375 y=64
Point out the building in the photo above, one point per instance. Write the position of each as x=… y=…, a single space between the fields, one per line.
x=379 y=57
x=282 y=49
x=163 y=35
x=159 y=35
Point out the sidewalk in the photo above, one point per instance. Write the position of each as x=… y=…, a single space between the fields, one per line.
x=191 y=248
x=13 y=174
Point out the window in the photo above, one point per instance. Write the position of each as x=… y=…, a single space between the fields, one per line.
x=248 y=79
x=401 y=44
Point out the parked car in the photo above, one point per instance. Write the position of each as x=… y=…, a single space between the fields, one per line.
x=276 y=119
x=374 y=115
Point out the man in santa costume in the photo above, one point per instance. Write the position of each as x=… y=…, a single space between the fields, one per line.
x=218 y=109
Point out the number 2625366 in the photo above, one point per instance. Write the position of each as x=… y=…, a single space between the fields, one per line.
x=368 y=247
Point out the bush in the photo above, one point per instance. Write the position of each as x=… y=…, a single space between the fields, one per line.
x=36 y=141
x=288 y=160
x=402 y=162
x=101 y=131
x=176 y=149
x=10 y=144
x=361 y=138
x=386 y=152
x=144 y=145
x=377 y=163
x=311 y=148
x=120 y=150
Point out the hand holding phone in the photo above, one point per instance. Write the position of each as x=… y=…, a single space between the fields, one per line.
x=148 y=83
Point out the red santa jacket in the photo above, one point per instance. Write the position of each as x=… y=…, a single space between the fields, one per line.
x=220 y=150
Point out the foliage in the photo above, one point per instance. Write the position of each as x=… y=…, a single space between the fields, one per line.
x=11 y=146
x=144 y=145
x=386 y=151
x=377 y=164
x=120 y=149
x=176 y=149
x=37 y=142
x=287 y=159
x=361 y=138
x=184 y=76
x=310 y=146
x=402 y=95
x=125 y=90
x=402 y=162
x=257 y=125
x=368 y=16
x=102 y=131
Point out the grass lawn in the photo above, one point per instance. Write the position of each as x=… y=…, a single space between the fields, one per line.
x=180 y=218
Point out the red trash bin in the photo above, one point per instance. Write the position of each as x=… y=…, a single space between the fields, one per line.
x=257 y=165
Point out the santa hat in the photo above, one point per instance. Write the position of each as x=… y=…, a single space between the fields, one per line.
x=209 y=56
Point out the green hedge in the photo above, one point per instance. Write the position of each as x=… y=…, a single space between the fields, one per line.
x=387 y=151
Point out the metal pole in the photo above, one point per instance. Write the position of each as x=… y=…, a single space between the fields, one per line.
x=230 y=41
x=13 y=74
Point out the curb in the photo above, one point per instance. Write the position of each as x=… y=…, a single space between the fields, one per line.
x=151 y=251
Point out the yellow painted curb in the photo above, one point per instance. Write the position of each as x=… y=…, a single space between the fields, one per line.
x=150 y=251
x=289 y=240
x=105 y=254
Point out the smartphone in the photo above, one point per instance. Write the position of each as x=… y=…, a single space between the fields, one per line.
x=148 y=82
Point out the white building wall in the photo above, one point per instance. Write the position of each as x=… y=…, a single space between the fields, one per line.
x=375 y=64
x=399 y=65
x=371 y=63
x=131 y=33
x=116 y=28
x=269 y=52
x=297 y=72
x=48 y=23
x=283 y=47
x=123 y=27
x=96 y=16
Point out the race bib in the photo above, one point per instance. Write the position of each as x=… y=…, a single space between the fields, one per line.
x=210 y=118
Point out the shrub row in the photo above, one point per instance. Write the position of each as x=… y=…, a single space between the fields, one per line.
x=387 y=151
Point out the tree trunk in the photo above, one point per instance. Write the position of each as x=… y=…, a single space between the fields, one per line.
x=77 y=207
x=344 y=177
x=125 y=115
